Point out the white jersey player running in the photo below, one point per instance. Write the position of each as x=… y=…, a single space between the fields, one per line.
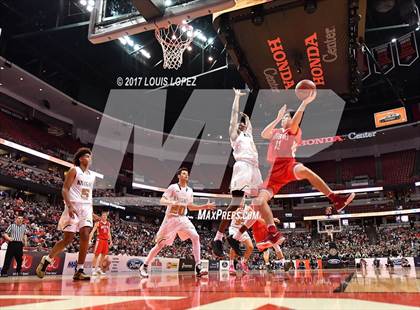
x=246 y=176
x=179 y=199
x=78 y=213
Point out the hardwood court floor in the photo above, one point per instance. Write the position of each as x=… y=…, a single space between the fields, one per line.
x=327 y=289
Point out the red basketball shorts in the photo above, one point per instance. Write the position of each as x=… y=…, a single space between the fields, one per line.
x=260 y=234
x=259 y=230
x=102 y=247
x=281 y=173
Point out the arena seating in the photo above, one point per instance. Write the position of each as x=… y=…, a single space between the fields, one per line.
x=20 y=171
x=398 y=167
x=31 y=135
x=326 y=169
x=352 y=167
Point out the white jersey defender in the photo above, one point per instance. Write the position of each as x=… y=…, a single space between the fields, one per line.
x=246 y=175
x=176 y=221
x=81 y=197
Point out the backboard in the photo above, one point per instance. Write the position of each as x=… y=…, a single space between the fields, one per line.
x=329 y=226
x=111 y=19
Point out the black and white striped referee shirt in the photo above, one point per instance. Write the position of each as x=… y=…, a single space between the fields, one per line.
x=16 y=232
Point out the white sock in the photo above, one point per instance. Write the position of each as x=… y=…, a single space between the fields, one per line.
x=196 y=247
x=79 y=266
x=219 y=236
x=48 y=258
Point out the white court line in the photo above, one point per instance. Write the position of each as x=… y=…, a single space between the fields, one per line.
x=304 y=303
x=76 y=302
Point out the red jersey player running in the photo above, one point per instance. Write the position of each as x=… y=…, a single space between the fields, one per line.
x=285 y=169
x=102 y=247
x=260 y=232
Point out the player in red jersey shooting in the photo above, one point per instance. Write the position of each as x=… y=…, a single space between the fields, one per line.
x=285 y=169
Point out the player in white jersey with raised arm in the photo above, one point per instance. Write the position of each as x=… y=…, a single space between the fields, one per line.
x=246 y=176
x=179 y=199
x=77 y=215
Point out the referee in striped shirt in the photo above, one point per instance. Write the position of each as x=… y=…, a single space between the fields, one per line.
x=16 y=236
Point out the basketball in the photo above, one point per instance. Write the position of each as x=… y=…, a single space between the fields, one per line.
x=304 y=89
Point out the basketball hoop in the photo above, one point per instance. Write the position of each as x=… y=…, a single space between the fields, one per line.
x=174 y=41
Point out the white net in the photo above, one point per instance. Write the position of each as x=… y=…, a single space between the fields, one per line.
x=174 y=41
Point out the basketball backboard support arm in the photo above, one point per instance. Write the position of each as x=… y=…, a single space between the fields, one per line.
x=103 y=29
x=240 y=4
x=148 y=9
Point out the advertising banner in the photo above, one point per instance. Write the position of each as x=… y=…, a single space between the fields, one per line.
x=213 y=265
x=287 y=48
x=70 y=263
x=205 y=264
x=2 y=255
x=224 y=265
x=407 y=49
x=123 y=263
x=186 y=264
x=384 y=260
x=385 y=58
x=170 y=264
x=156 y=265
x=31 y=261
x=302 y=264
x=390 y=117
